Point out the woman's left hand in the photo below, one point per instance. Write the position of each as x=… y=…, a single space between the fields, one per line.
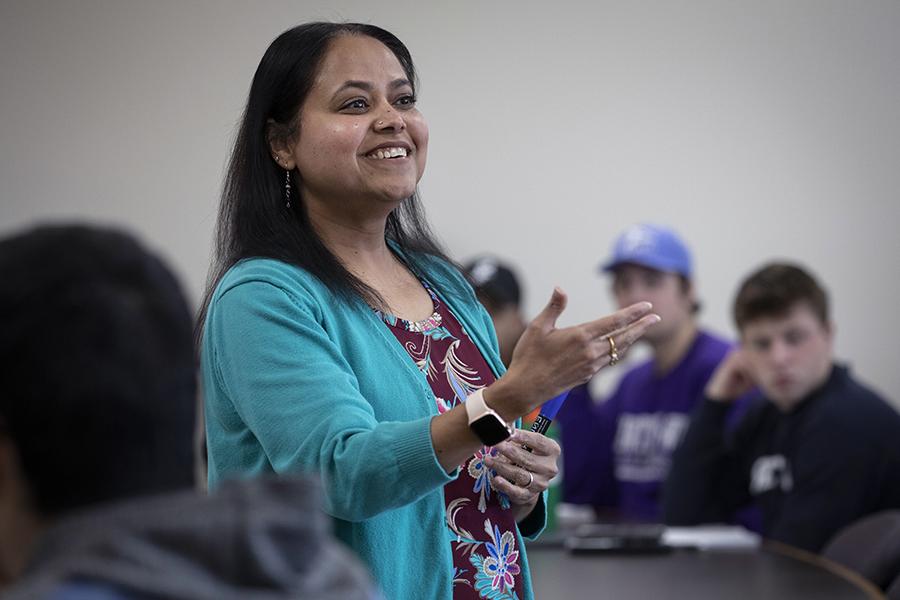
x=522 y=475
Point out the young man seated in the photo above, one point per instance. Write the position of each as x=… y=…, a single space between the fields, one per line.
x=817 y=452
x=97 y=415
x=616 y=453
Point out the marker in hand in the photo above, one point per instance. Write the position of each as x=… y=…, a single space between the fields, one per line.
x=546 y=415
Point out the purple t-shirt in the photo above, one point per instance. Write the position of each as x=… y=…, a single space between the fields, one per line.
x=617 y=453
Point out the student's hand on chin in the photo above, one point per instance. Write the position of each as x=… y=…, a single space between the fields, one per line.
x=731 y=379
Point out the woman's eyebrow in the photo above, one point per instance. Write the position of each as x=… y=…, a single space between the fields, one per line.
x=368 y=86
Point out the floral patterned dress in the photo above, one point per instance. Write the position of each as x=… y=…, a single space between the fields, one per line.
x=480 y=524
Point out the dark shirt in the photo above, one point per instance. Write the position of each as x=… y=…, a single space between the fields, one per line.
x=617 y=453
x=832 y=459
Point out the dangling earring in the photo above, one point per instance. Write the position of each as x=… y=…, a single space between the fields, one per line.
x=287 y=188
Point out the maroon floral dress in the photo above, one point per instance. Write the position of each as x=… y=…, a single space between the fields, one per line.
x=480 y=525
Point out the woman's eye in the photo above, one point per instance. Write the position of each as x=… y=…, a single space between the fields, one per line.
x=408 y=100
x=357 y=104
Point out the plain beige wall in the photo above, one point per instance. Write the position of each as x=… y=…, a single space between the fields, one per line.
x=759 y=130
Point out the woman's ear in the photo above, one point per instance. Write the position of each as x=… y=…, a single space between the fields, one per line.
x=279 y=144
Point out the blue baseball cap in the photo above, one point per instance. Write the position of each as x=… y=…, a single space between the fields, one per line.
x=651 y=246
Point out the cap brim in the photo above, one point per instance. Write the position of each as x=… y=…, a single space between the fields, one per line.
x=656 y=265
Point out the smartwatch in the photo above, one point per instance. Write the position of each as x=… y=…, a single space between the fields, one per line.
x=484 y=422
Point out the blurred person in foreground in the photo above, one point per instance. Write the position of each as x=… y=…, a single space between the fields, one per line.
x=616 y=453
x=497 y=288
x=817 y=451
x=97 y=416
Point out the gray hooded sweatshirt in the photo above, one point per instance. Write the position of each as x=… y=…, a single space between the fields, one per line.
x=261 y=539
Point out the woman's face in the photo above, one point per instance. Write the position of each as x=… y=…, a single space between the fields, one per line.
x=361 y=138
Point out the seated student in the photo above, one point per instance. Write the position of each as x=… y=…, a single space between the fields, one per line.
x=819 y=451
x=497 y=288
x=97 y=415
x=616 y=454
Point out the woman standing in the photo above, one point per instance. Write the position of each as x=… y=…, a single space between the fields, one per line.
x=338 y=339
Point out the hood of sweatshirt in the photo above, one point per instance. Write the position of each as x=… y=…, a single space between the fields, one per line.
x=266 y=538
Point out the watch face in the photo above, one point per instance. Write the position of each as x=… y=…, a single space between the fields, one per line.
x=490 y=430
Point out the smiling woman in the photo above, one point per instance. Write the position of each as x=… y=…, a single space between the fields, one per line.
x=364 y=141
x=338 y=339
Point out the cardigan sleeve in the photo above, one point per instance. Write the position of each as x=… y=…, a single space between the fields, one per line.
x=295 y=392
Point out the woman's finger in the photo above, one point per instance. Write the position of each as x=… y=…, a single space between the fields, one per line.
x=539 y=443
x=522 y=464
x=546 y=319
x=534 y=479
x=618 y=320
x=542 y=460
x=507 y=469
x=516 y=494
x=624 y=338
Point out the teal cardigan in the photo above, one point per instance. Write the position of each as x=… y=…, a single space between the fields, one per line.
x=296 y=380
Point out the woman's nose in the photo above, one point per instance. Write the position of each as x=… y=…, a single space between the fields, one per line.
x=389 y=120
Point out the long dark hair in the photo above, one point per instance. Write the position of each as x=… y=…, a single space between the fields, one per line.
x=253 y=220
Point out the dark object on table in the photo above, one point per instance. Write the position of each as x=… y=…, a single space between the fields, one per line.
x=619 y=538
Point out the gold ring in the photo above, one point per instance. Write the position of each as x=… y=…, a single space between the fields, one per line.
x=613 y=352
x=530 y=479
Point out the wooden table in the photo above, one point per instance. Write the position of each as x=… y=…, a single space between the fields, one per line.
x=772 y=572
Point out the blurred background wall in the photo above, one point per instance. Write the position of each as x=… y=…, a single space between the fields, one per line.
x=759 y=130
